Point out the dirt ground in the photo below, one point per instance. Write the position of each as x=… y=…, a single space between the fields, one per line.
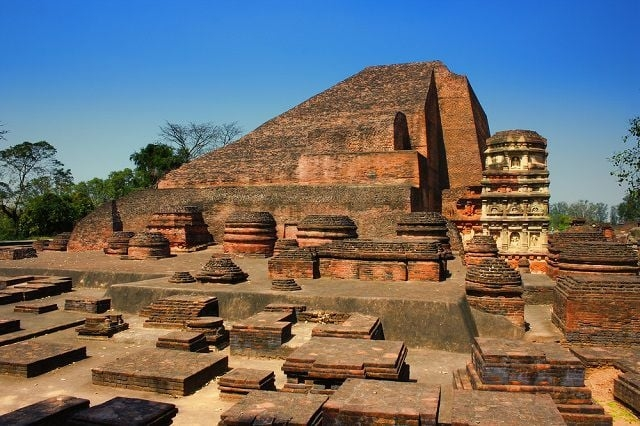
x=205 y=406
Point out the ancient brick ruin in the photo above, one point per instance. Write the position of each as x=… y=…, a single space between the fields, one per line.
x=183 y=226
x=250 y=233
x=408 y=137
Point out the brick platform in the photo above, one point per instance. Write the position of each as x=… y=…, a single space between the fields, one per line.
x=17 y=253
x=294 y=309
x=471 y=408
x=9 y=325
x=262 y=333
x=360 y=401
x=32 y=358
x=295 y=263
x=36 y=308
x=102 y=326
x=44 y=289
x=373 y=260
x=175 y=311
x=126 y=411
x=519 y=366
x=183 y=226
x=51 y=411
x=250 y=233
x=213 y=330
x=599 y=309
x=277 y=408
x=183 y=341
x=240 y=381
x=626 y=388
x=91 y=305
x=163 y=371
x=357 y=326
x=323 y=363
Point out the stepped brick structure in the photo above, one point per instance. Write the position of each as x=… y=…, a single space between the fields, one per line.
x=176 y=311
x=520 y=366
x=515 y=196
x=284 y=244
x=262 y=333
x=250 y=233
x=578 y=234
x=59 y=242
x=212 y=328
x=241 y=381
x=118 y=243
x=493 y=286
x=323 y=363
x=148 y=245
x=425 y=226
x=183 y=341
x=287 y=284
x=598 y=309
x=387 y=141
x=596 y=258
x=183 y=226
x=221 y=269
x=102 y=326
x=316 y=230
x=265 y=407
x=480 y=247
x=356 y=326
x=374 y=402
x=182 y=277
x=373 y=260
x=300 y=263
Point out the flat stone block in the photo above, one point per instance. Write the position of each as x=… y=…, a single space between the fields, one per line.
x=626 y=388
x=262 y=407
x=9 y=325
x=359 y=401
x=472 y=408
x=127 y=411
x=162 y=371
x=36 y=308
x=51 y=411
x=32 y=358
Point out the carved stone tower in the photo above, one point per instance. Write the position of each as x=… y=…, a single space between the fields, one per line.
x=515 y=196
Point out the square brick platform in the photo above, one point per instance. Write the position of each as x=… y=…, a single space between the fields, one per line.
x=471 y=408
x=91 y=305
x=626 y=388
x=357 y=326
x=277 y=408
x=360 y=401
x=51 y=411
x=261 y=334
x=240 y=381
x=9 y=325
x=161 y=370
x=126 y=411
x=36 y=307
x=32 y=358
x=322 y=364
x=183 y=341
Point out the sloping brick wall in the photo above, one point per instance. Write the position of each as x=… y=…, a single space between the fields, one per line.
x=375 y=208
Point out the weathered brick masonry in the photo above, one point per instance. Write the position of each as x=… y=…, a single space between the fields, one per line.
x=386 y=141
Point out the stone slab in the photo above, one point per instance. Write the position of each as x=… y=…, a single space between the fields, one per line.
x=360 y=401
x=263 y=407
x=357 y=326
x=162 y=370
x=36 y=308
x=471 y=408
x=626 y=388
x=51 y=411
x=126 y=411
x=32 y=358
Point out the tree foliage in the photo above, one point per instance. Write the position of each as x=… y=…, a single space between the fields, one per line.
x=192 y=139
x=28 y=170
x=629 y=209
x=562 y=213
x=626 y=163
x=154 y=161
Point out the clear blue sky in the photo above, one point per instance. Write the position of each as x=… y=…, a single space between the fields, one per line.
x=95 y=78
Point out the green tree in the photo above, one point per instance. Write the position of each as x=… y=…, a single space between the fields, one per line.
x=626 y=163
x=25 y=170
x=629 y=209
x=192 y=139
x=48 y=214
x=154 y=161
